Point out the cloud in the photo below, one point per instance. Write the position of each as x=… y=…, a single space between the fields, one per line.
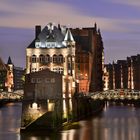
x=20 y=15
x=135 y=3
x=41 y=12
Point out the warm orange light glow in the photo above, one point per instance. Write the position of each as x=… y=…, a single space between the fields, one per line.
x=34 y=105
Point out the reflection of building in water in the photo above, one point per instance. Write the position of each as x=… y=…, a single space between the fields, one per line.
x=124 y=74
x=72 y=52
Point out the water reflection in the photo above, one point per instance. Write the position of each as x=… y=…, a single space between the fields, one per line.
x=10 y=121
x=117 y=122
x=68 y=135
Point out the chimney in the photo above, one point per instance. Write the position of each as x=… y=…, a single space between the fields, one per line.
x=37 y=30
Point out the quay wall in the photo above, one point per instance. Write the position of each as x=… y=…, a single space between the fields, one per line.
x=55 y=113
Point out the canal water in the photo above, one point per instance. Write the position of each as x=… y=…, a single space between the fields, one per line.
x=116 y=122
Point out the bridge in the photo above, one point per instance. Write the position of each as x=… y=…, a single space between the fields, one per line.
x=117 y=94
x=11 y=96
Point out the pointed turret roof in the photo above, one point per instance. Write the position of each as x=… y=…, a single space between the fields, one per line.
x=68 y=36
x=9 y=60
x=95 y=26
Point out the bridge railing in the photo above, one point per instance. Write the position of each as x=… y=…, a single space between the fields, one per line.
x=116 y=94
x=10 y=95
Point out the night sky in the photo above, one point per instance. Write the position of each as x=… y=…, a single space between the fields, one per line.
x=118 y=20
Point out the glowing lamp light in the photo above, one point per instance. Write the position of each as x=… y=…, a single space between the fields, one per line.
x=73 y=84
x=64 y=96
x=69 y=95
x=34 y=105
x=50 y=106
x=77 y=81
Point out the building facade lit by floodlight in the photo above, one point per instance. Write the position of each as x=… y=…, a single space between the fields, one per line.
x=124 y=74
x=72 y=52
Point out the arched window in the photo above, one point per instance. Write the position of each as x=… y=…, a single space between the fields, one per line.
x=73 y=58
x=47 y=58
x=54 y=58
x=69 y=58
x=41 y=58
x=60 y=58
x=34 y=59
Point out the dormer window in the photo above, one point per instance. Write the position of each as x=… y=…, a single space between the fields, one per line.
x=37 y=44
x=50 y=44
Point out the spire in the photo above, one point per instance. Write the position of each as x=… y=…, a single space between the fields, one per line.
x=113 y=62
x=9 y=60
x=95 y=26
x=99 y=32
x=68 y=36
x=59 y=27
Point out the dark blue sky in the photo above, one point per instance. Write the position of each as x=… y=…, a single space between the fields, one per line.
x=119 y=21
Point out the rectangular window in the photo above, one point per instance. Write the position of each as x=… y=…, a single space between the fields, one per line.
x=39 y=80
x=53 y=80
x=33 y=80
x=47 y=80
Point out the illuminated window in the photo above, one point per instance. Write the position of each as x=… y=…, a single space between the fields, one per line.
x=34 y=59
x=69 y=58
x=60 y=58
x=73 y=58
x=61 y=70
x=37 y=44
x=54 y=58
x=34 y=70
x=47 y=58
x=40 y=69
x=41 y=58
x=58 y=70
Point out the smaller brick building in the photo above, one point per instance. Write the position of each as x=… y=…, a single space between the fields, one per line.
x=46 y=84
x=44 y=92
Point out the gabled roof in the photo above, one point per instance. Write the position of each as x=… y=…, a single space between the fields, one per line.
x=51 y=33
x=32 y=45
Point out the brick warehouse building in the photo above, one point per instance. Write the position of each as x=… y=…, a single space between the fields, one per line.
x=124 y=74
x=71 y=52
